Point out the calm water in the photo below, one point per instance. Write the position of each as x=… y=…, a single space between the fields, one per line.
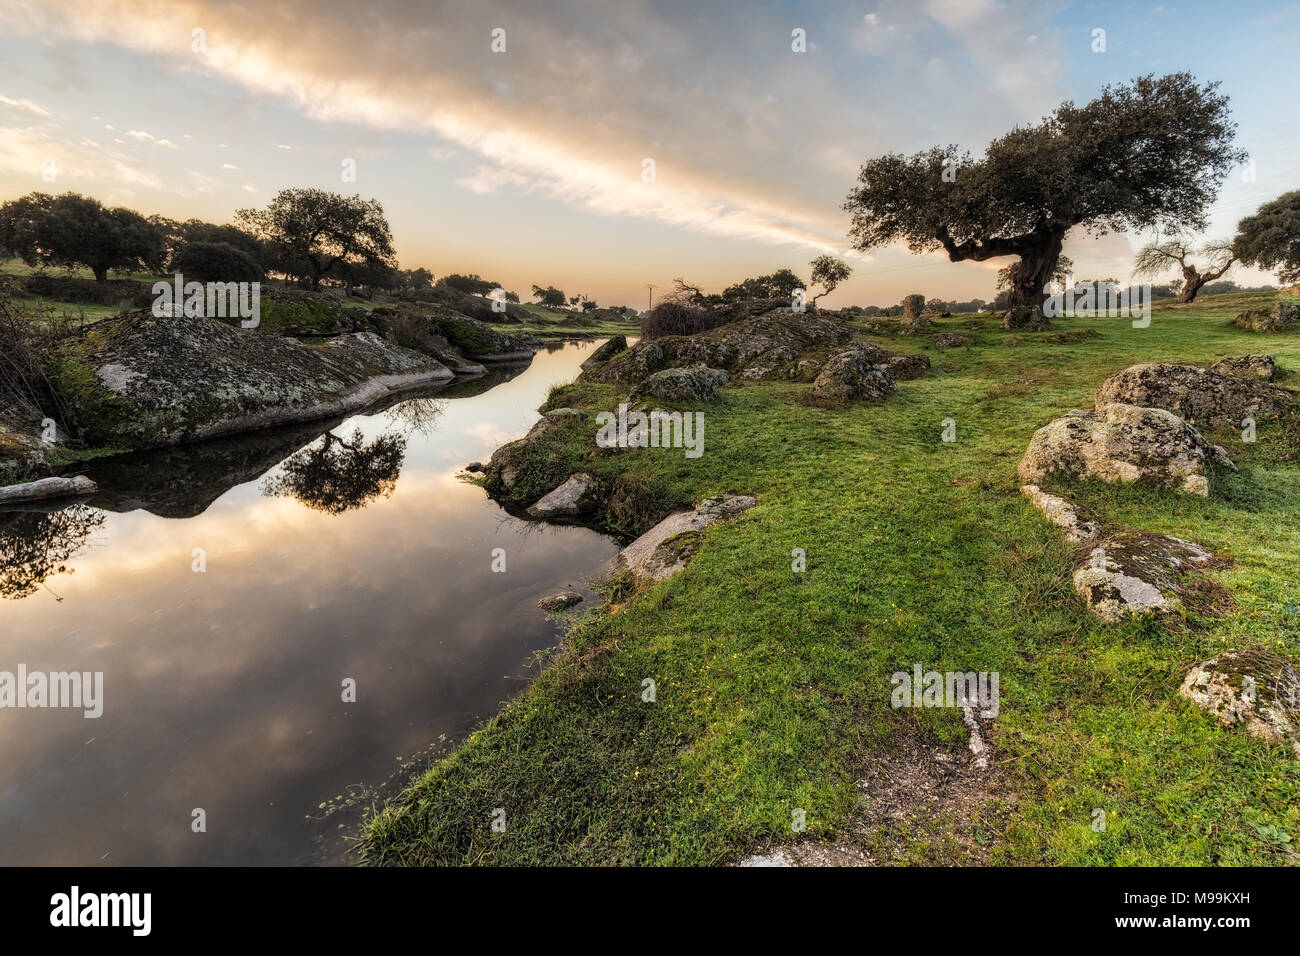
x=356 y=557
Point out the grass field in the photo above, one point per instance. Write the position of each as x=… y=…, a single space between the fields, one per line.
x=773 y=686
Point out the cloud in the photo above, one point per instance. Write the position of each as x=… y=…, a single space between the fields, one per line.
x=741 y=128
x=25 y=105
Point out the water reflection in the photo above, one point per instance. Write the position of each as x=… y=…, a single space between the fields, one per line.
x=336 y=475
x=35 y=545
x=222 y=688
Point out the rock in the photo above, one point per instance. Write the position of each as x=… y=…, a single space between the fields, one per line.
x=1197 y=395
x=905 y=368
x=1070 y=336
x=138 y=381
x=771 y=859
x=666 y=548
x=952 y=340
x=48 y=488
x=559 y=601
x=766 y=346
x=1250 y=367
x=914 y=315
x=475 y=467
x=699 y=383
x=1123 y=443
x=1254 y=687
x=1024 y=319
x=613 y=346
x=1282 y=317
x=569 y=500
x=1061 y=513
x=1136 y=573
x=852 y=374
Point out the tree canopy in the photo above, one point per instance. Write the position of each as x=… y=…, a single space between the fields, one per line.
x=828 y=272
x=75 y=230
x=1270 y=239
x=1149 y=153
x=317 y=234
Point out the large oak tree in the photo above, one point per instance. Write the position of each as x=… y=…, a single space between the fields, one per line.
x=315 y=233
x=75 y=230
x=1146 y=154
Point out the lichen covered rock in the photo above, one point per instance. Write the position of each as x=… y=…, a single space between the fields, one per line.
x=697 y=383
x=570 y=500
x=1198 y=395
x=1262 y=368
x=852 y=374
x=1251 y=687
x=1283 y=316
x=1024 y=319
x=1132 y=573
x=137 y=381
x=1123 y=443
x=666 y=548
x=771 y=345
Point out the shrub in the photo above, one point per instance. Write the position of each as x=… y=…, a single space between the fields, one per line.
x=678 y=318
x=215 y=262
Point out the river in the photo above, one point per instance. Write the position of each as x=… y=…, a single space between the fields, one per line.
x=231 y=593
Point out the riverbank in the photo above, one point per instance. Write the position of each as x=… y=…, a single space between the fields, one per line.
x=772 y=686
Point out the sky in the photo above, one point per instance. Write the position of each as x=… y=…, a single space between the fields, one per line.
x=529 y=166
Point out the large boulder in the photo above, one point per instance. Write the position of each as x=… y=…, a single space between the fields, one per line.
x=666 y=548
x=1258 y=368
x=1130 y=573
x=1198 y=395
x=137 y=381
x=771 y=345
x=698 y=383
x=1123 y=443
x=905 y=368
x=1282 y=317
x=1251 y=687
x=852 y=374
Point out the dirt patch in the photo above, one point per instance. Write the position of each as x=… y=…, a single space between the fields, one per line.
x=915 y=792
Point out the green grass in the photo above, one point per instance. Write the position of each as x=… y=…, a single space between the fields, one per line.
x=772 y=685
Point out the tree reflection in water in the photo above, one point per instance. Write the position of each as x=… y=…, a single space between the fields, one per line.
x=35 y=545
x=337 y=475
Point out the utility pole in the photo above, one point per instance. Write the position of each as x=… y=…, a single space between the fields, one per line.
x=652 y=296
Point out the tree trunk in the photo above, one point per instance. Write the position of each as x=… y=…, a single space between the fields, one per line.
x=1032 y=274
x=101 y=273
x=1192 y=282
